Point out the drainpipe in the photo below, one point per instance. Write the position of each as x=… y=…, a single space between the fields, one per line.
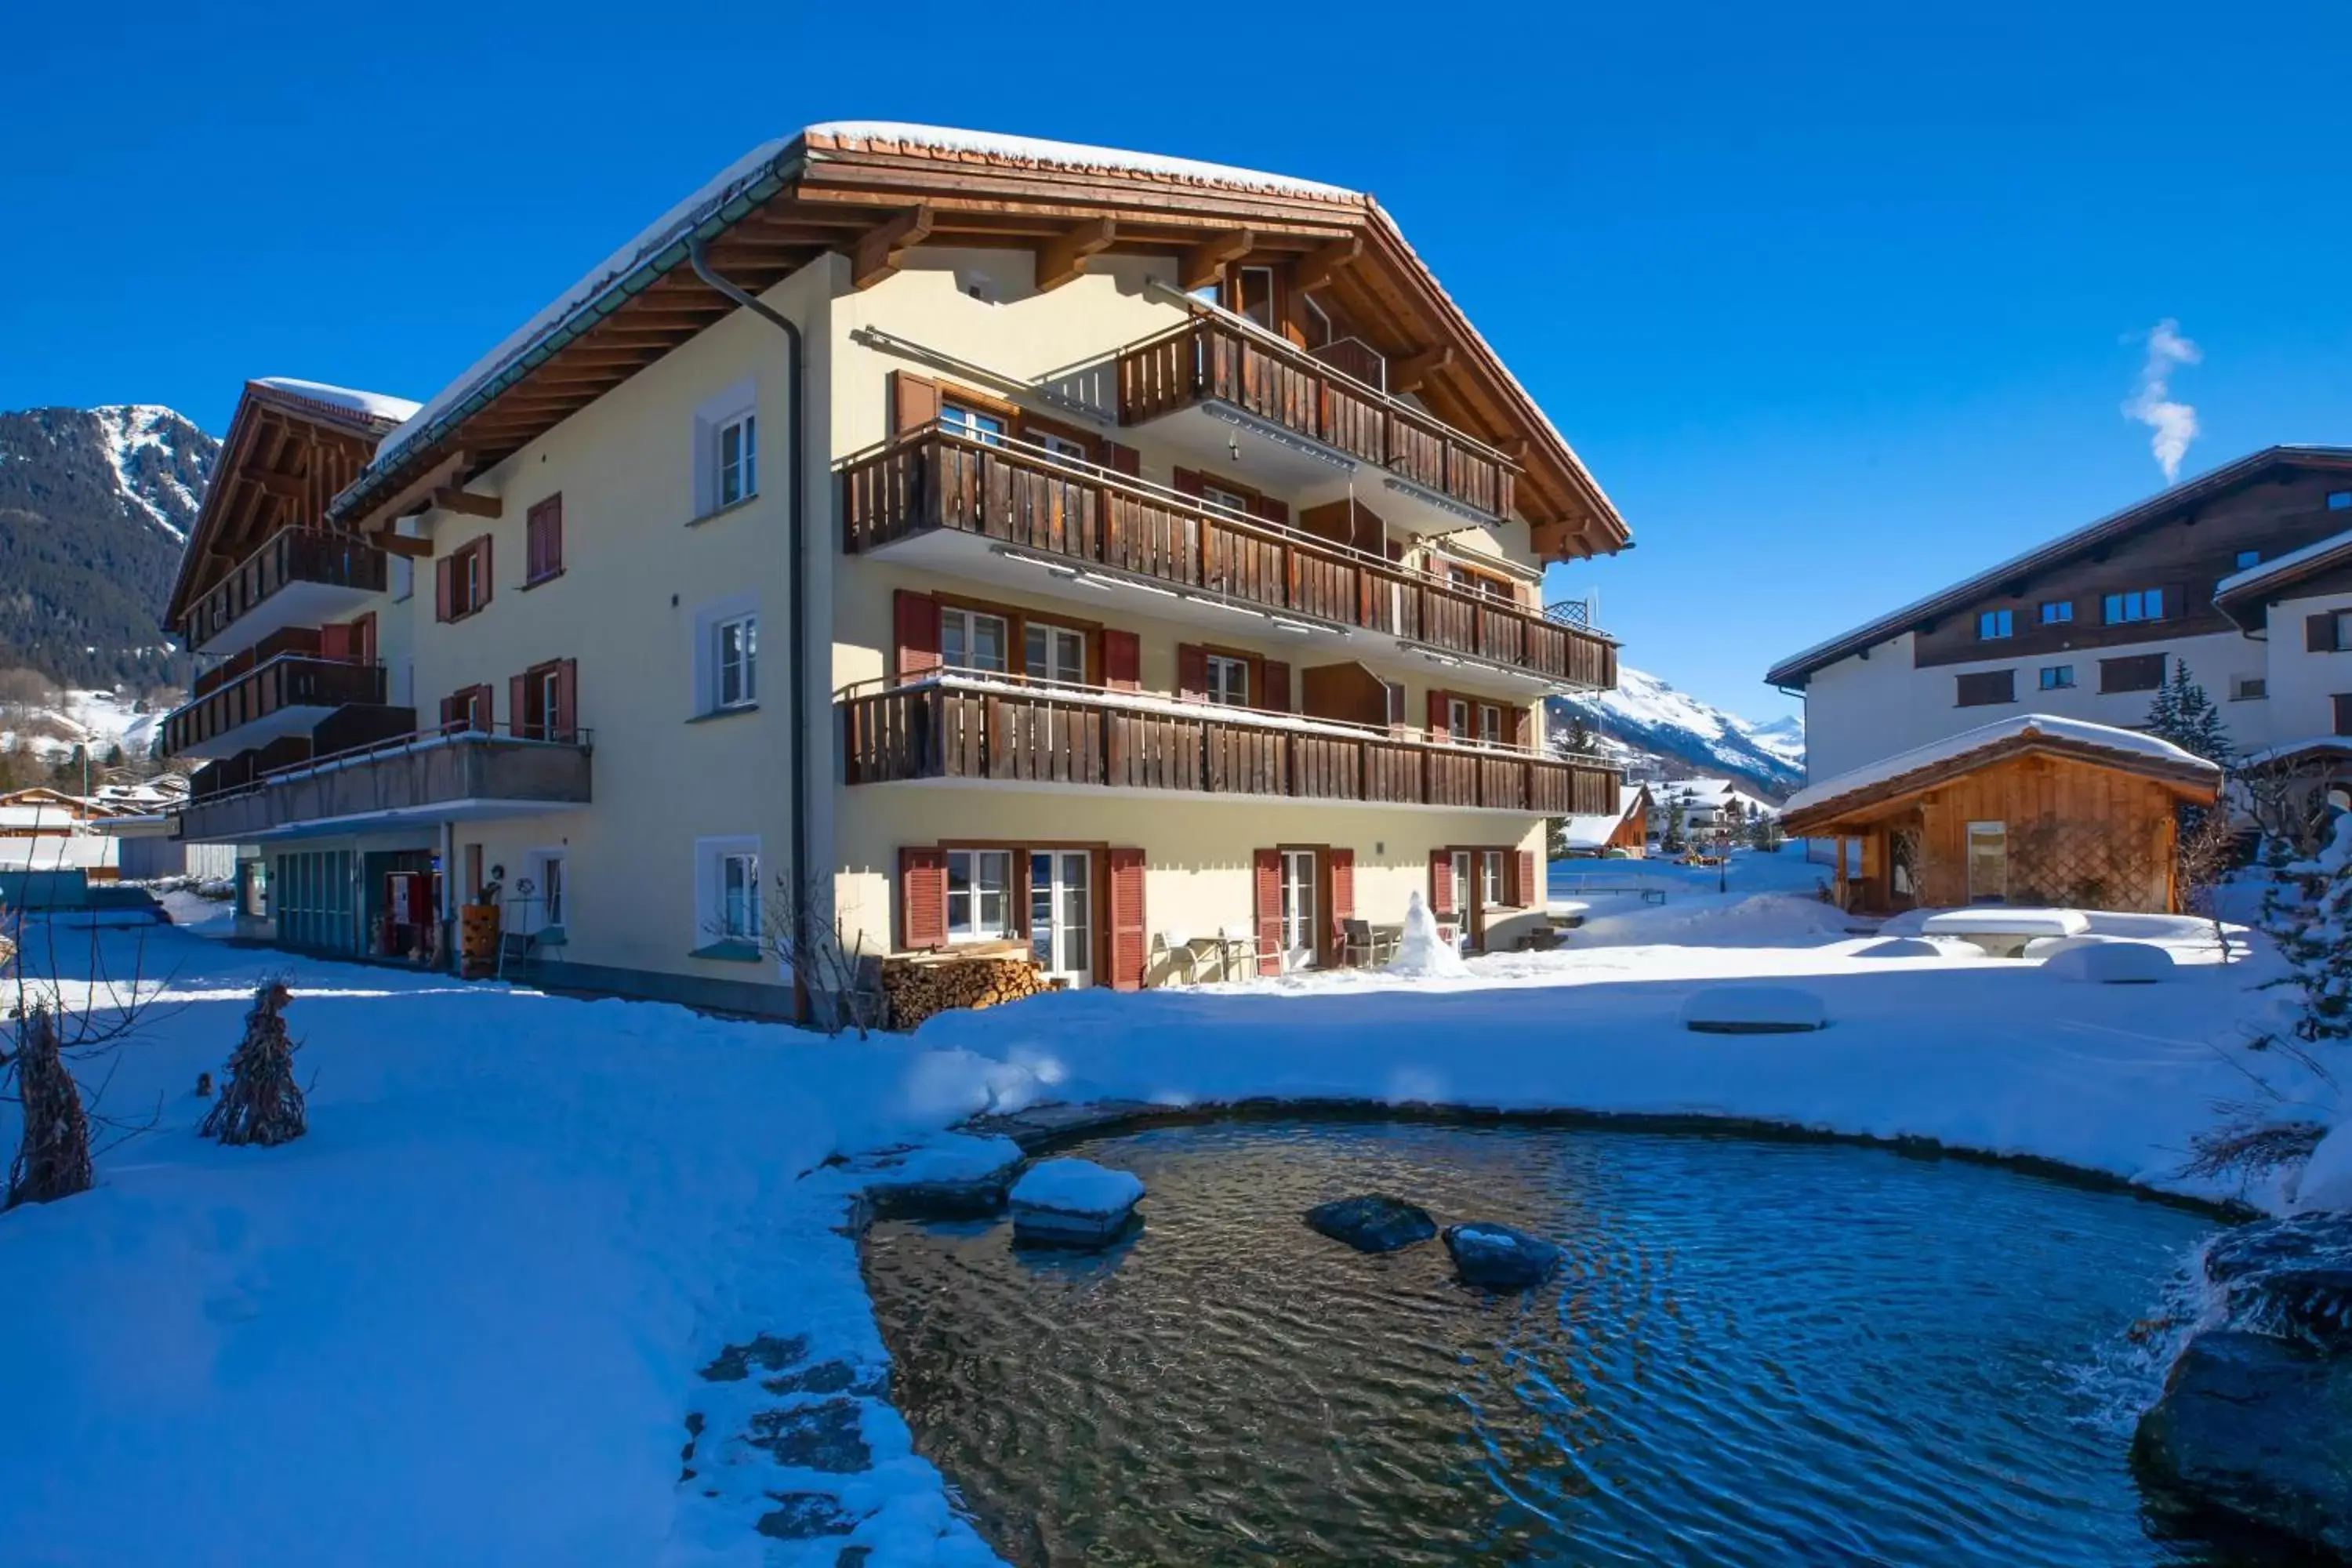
x=796 y=593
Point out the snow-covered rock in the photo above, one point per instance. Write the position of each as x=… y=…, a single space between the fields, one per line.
x=2110 y=962
x=1422 y=952
x=2327 y=1179
x=954 y=1174
x=1754 y=1010
x=1903 y=947
x=1497 y=1258
x=1073 y=1203
x=1372 y=1221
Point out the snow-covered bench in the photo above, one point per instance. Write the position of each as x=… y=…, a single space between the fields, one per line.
x=2003 y=931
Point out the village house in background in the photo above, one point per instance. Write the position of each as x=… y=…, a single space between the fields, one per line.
x=969 y=543
x=2242 y=575
x=2034 y=809
x=1624 y=832
x=117 y=831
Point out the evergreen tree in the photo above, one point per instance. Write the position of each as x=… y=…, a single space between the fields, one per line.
x=1580 y=743
x=1674 y=841
x=2181 y=713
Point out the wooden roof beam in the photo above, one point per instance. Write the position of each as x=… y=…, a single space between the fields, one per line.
x=455 y=498
x=1411 y=374
x=1319 y=267
x=286 y=487
x=414 y=495
x=1205 y=263
x=1064 y=257
x=882 y=248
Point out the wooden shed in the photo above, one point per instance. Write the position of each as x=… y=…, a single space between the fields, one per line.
x=2030 y=810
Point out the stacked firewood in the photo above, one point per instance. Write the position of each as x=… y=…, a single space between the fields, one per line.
x=918 y=987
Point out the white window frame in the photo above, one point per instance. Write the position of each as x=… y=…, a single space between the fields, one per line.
x=976 y=423
x=741 y=664
x=702 y=655
x=545 y=868
x=2057 y=611
x=1490 y=725
x=737 y=479
x=1992 y=626
x=2064 y=681
x=2343 y=625
x=1058 y=640
x=1228 y=681
x=714 y=858
x=2132 y=607
x=1061 y=449
x=1299 y=913
x=738 y=406
x=1490 y=877
x=1458 y=720
x=965 y=624
x=976 y=864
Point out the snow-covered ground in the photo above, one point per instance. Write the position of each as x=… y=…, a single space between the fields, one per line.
x=98 y=720
x=465 y=1318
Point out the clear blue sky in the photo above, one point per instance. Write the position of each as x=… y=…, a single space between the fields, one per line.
x=1839 y=302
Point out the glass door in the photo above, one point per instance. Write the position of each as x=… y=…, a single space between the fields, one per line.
x=1061 y=914
x=1987 y=862
x=1297 y=908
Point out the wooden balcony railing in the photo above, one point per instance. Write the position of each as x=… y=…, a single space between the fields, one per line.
x=462 y=773
x=283 y=680
x=953 y=728
x=290 y=555
x=1209 y=359
x=936 y=478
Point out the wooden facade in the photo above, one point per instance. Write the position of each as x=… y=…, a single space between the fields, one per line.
x=2027 y=820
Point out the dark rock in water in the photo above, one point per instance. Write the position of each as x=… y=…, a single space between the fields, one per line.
x=1498 y=1258
x=825 y=1378
x=766 y=1351
x=800 y=1516
x=2259 y=1431
x=827 y=1436
x=2289 y=1276
x=1373 y=1221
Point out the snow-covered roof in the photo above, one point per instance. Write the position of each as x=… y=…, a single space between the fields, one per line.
x=2294 y=751
x=2127 y=746
x=2261 y=581
x=2164 y=503
x=1592 y=831
x=890 y=136
x=375 y=406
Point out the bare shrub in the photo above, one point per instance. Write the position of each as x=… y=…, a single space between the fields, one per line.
x=260 y=1101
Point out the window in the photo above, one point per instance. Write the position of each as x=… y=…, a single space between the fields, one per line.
x=2249 y=688
x=736 y=661
x=1315 y=321
x=738 y=896
x=1254 y=297
x=1055 y=653
x=974 y=640
x=1993 y=624
x=1490 y=877
x=979 y=899
x=464 y=585
x=1297 y=908
x=1061 y=926
x=2139 y=605
x=737 y=453
x=2057 y=611
x=1229 y=684
x=469 y=711
x=2249 y=558
x=1987 y=862
x=2339 y=500
x=1218 y=495
x=2342 y=702
x=1490 y=724
x=726 y=896
x=1457 y=719
x=2138 y=672
x=551 y=889
x=966 y=420
x=2057 y=676
x=1061 y=449
x=2342 y=622
x=542 y=541
x=542 y=901
x=1396 y=703
x=1986 y=688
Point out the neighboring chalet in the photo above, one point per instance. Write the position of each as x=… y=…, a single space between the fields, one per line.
x=2087 y=626
x=1624 y=831
x=2033 y=809
x=948 y=538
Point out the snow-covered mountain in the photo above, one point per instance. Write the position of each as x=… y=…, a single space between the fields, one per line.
x=95 y=509
x=1646 y=725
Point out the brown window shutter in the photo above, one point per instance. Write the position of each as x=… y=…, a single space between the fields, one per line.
x=487 y=579
x=1121 y=459
x=922 y=896
x=914 y=401
x=1985 y=689
x=555 y=534
x=2319 y=633
x=2343 y=701
x=1192 y=672
x=1276 y=697
x=1437 y=730
x=1343 y=895
x=1440 y=882
x=1186 y=482
x=1271 y=510
x=917 y=616
x=1266 y=874
x=519 y=719
x=566 y=721
x=335 y=642
x=442 y=571
x=363 y=638
x=448 y=712
x=1122 y=656
x=1524 y=868
x=1129 y=951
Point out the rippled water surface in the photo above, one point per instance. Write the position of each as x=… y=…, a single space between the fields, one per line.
x=1757 y=1354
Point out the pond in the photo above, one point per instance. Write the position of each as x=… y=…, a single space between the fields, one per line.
x=1757 y=1353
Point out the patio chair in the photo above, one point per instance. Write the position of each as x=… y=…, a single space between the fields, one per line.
x=1241 y=940
x=1180 y=951
x=1363 y=946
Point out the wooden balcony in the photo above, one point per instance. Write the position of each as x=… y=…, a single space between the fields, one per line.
x=467 y=776
x=1211 y=359
x=281 y=694
x=300 y=576
x=935 y=479
x=952 y=727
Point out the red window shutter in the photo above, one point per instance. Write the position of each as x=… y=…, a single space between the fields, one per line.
x=448 y=712
x=363 y=638
x=443 y=572
x=1343 y=895
x=1437 y=731
x=922 y=896
x=566 y=721
x=1266 y=867
x=1271 y=510
x=918 y=632
x=482 y=595
x=1122 y=656
x=519 y=719
x=1440 y=882
x=1276 y=699
x=335 y=642
x=914 y=401
x=1524 y=894
x=1186 y=482
x=1121 y=459
x=1128 y=949
x=1192 y=672
x=2319 y=633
